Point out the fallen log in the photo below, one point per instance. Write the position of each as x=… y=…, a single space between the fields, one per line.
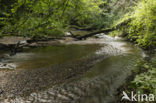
x=123 y=23
x=94 y=33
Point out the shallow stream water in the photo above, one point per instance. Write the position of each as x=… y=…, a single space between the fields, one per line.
x=87 y=71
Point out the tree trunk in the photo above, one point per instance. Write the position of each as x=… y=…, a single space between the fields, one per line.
x=125 y=22
x=94 y=33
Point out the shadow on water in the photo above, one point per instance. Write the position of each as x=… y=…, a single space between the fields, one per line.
x=86 y=71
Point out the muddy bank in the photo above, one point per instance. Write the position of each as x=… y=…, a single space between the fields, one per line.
x=9 y=42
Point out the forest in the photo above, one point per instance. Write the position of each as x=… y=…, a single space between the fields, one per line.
x=133 y=20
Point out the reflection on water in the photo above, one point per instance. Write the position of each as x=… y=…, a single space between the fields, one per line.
x=108 y=61
x=44 y=56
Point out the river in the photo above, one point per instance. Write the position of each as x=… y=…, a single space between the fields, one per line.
x=86 y=71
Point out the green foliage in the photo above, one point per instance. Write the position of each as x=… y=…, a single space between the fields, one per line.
x=50 y=17
x=116 y=9
x=145 y=82
x=142 y=28
x=116 y=33
x=43 y=17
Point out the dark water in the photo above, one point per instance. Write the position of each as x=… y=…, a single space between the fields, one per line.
x=44 y=56
x=98 y=68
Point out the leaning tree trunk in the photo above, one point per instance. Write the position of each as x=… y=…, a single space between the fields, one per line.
x=94 y=33
x=125 y=22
